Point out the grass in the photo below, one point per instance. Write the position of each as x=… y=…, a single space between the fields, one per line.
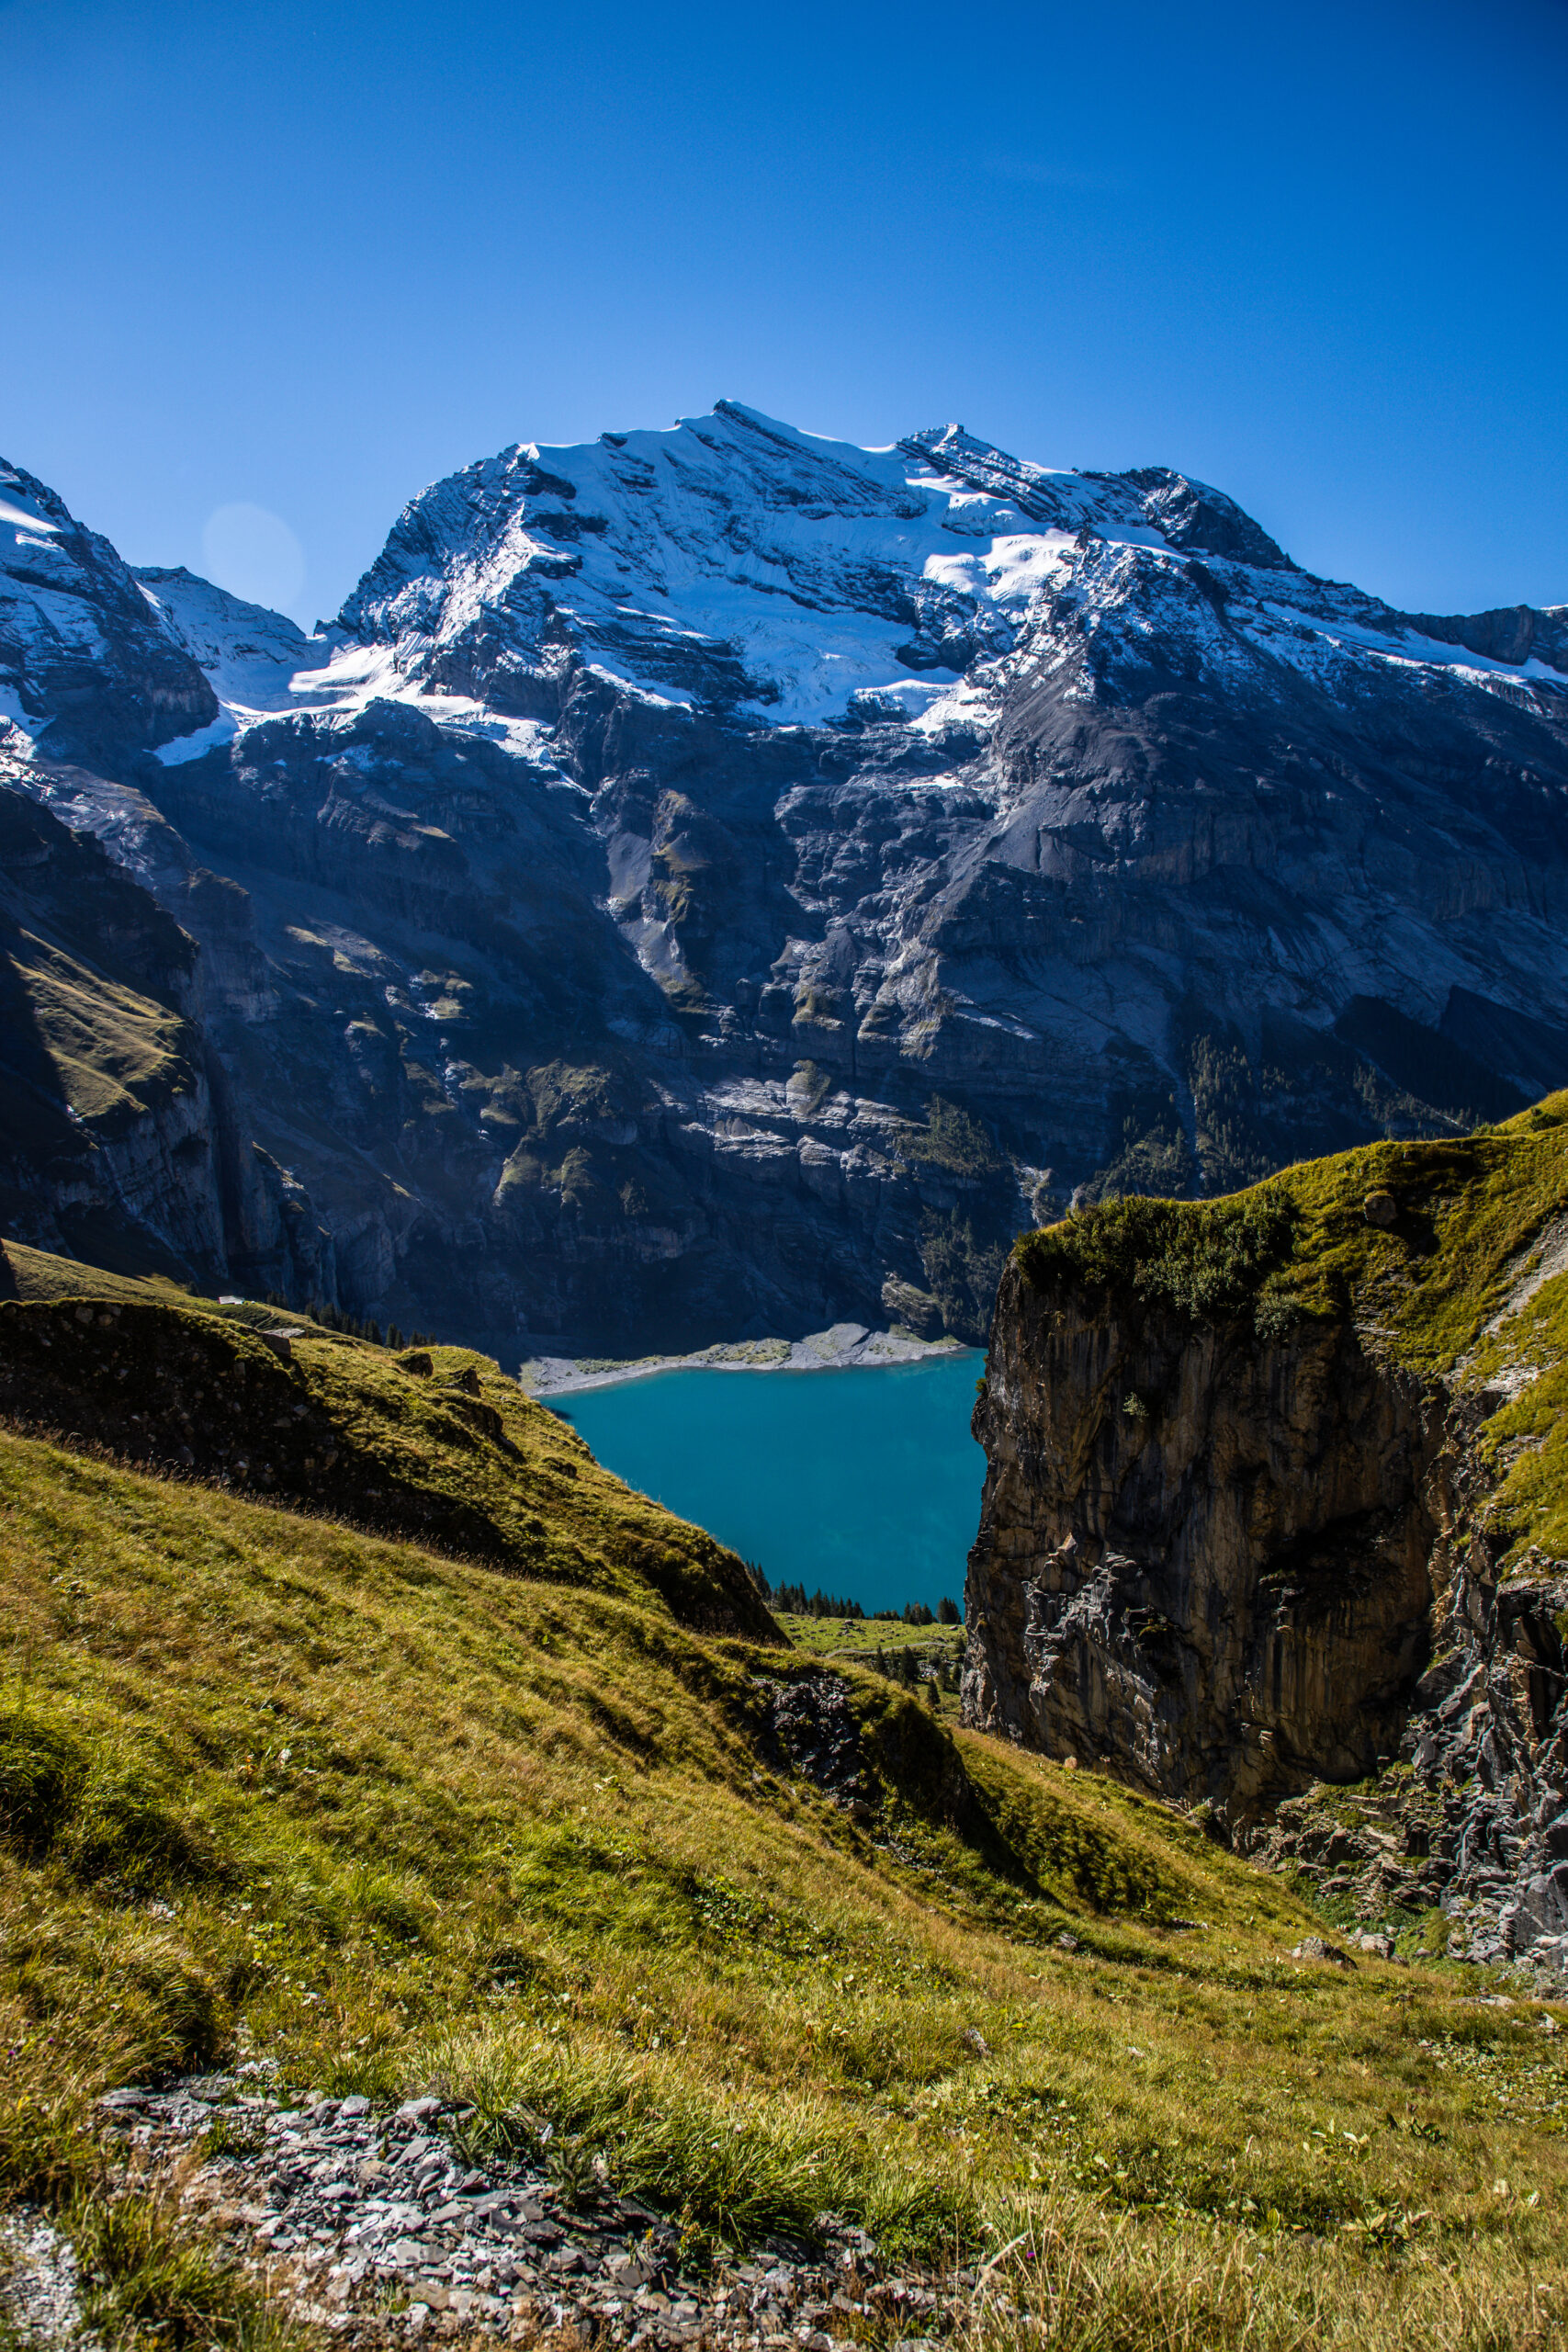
x=932 y=1650
x=1205 y=1259
x=1079 y=2280
x=273 y=1783
x=154 y=2280
x=114 y=1051
x=39 y=1274
x=432 y=1442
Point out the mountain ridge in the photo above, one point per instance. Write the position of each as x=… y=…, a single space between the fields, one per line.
x=668 y=822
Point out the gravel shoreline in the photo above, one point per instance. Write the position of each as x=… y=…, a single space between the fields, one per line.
x=844 y=1347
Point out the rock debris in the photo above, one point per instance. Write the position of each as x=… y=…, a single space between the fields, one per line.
x=373 y=2222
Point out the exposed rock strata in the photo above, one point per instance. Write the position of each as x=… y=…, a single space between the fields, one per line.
x=1201 y=1553
x=121 y=1137
x=1475 y=1819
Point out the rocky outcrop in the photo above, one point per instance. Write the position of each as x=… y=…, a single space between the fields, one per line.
x=1231 y=1548
x=107 y=1118
x=342 y=2200
x=122 y=1140
x=1474 y=1816
x=723 y=882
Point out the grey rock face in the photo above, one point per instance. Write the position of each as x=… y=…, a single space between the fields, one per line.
x=809 y=1727
x=665 y=823
x=120 y=1129
x=84 y=658
x=1201 y=1555
x=1489 y=1738
x=1228 y=1566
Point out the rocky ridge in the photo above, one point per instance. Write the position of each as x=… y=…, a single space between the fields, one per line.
x=1251 y=1535
x=80 y=651
x=716 y=883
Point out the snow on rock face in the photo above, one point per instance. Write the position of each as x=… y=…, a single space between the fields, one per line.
x=85 y=665
x=736 y=564
x=248 y=653
x=731 y=563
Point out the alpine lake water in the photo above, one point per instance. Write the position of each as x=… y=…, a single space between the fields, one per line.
x=863 y=1484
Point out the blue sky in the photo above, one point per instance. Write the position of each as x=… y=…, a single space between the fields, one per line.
x=304 y=259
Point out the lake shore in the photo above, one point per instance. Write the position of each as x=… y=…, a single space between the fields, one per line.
x=842 y=1347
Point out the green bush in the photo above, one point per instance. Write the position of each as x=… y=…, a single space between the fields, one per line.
x=1206 y=1258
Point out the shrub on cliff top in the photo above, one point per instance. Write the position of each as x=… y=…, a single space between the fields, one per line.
x=1205 y=1259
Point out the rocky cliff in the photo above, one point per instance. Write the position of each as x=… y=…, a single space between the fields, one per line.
x=83 y=653
x=1277 y=1494
x=720 y=880
x=121 y=1141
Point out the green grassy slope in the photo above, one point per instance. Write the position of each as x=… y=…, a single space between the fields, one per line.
x=274 y=1782
x=26 y=1273
x=434 y=1442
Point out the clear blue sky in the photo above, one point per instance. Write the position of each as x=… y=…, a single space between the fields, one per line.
x=307 y=258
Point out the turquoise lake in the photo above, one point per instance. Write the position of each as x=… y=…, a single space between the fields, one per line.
x=865 y=1484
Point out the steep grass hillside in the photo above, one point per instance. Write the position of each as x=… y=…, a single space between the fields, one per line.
x=274 y=1783
x=431 y=1441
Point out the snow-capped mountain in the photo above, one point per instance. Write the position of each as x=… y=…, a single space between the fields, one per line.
x=666 y=821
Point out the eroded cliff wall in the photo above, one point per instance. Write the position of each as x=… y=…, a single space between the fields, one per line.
x=1272 y=1499
x=1201 y=1551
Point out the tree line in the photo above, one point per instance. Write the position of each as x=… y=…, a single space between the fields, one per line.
x=796 y=1601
